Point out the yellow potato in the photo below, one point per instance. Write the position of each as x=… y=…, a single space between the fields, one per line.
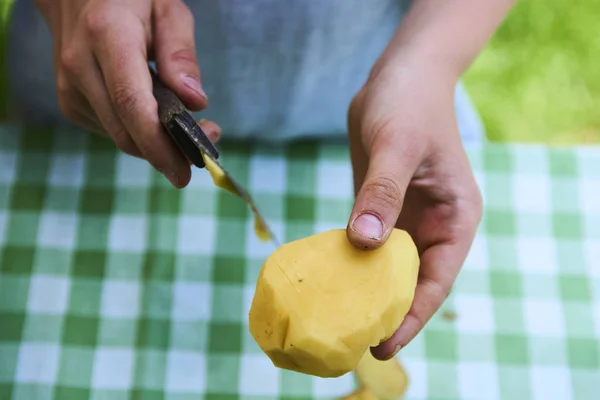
x=387 y=380
x=320 y=303
x=360 y=394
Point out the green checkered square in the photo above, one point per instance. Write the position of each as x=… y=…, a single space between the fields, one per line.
x=13 y=293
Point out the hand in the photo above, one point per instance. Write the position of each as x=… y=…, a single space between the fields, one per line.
x=411 y=172
x=101 y=50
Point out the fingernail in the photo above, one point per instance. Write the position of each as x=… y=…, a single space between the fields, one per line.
x=195 y=85
x=396 y=350
x=369 y=226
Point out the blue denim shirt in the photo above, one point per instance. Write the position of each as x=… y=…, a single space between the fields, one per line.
x=272 y=69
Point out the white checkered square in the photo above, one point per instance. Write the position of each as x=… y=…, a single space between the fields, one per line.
x=3 y=224
x=201 y=179
x=37 y=363
x=128 y=233
x=268 y=175
x=8 y=167
x=113 y=368
x=191 y=301
x=57 y=230
x=334 y=180
x=550 y=383
x=186 y=372
x=120 y=299
x=258 y=376
x=591 y=256
x=477 y=258
x=589 y=196
x=196 y=235
x=476 y=314
x=48 y=294
x=537 y=254
x=477 y=379
x=543 y=317
x=532 y=193
x=67 y=170
x=416 y=368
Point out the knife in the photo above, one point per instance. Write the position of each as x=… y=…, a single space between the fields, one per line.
x=193 y=142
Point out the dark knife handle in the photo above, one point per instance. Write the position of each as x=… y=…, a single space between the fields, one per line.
x=180 y=124
x=168 y=103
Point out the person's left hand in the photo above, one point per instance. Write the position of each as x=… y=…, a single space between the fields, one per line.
x=411 y=172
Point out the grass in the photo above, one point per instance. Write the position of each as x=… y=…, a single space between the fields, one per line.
x=538 y=79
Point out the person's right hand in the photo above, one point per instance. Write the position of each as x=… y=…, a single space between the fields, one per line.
x=101 y=51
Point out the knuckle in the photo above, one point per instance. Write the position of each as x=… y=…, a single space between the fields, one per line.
x=386 y=133
x=438 y=292
x=169 y=8
x=97 y=22
x=383 y=129
x=384 y=192
x=186 y=55
x=69 y=59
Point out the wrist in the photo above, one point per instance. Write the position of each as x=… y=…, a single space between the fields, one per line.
x=417 y=64
x=424 y=53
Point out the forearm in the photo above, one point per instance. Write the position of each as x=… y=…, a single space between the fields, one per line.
x=447 y=33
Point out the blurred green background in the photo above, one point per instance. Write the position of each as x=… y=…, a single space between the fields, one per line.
x=538 y=80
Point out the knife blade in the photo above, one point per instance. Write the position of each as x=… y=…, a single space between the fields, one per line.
x=193 y=142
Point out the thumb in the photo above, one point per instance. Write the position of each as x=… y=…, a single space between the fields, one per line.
x=175 y=51
x=380 y=198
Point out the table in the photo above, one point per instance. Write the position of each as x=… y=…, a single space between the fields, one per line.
x=113 y=285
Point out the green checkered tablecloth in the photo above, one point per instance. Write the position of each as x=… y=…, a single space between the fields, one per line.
x=115 y=286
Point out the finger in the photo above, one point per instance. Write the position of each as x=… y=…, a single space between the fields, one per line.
x=212 y=130
x=73 y=104
x=440 y=265
x=443 y=252
x=78 y=67
x=175 y=52
x=84 y=121
x=392 y=164
x=121 y=54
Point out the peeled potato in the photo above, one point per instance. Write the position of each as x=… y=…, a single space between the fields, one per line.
x=320 y=303
x=387 y=380
x=360 y=394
